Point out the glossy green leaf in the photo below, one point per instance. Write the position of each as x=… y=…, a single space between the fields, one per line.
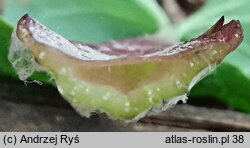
x=231 y=81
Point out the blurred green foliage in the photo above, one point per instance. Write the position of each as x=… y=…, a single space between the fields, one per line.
x=90 y=20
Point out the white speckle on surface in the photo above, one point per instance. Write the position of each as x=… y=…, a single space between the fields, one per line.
x=214 y=52
x=87 y=90
x=24 y=32
x=158 y=89
x=150 y=99
x=149 y=92
x=31 y=22
x=127 y=104
x=150 y=95
x=238 y=25
x=222 y=39
x=191 y=64
x=63 y=71
x=23 y=21
x=75 y=88
x=41 y=55
x=106 y=96
x=178 y=84
x=236 y=35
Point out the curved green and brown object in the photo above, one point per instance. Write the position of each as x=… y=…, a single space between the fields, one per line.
x=125 y=79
